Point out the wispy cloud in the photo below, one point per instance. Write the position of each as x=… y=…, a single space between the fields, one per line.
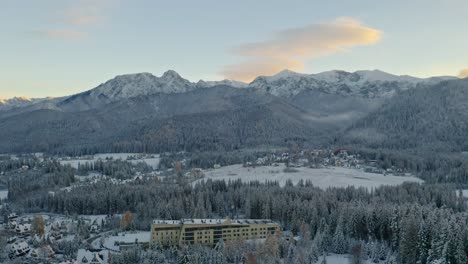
x=83 y=16
x=463 y=73
x=76 y=20
x=288 y=49
x=86 y=12
x=63 y=34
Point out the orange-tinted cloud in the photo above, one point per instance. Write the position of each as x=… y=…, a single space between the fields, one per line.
x=288 y=49
x=463 y=73
x=80 y=17
x=85 y=12
x=76 y=20
x=64 y=34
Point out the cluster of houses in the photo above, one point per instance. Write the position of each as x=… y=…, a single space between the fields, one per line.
x=323 y=158
x=26 y=244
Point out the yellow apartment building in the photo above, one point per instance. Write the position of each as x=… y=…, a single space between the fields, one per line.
x=209 y=231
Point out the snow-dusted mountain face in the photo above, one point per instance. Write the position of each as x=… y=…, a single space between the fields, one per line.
x=232 y=83
x=132 y=85
x=366 y=84
x=287 y=84
x=15 y=102
x=171 y=113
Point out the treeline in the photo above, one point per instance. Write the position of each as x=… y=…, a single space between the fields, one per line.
x=207 y=160
x=432 y=167
x=48 y=176
x=114 y=168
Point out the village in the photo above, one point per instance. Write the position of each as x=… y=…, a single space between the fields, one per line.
x=34 y=238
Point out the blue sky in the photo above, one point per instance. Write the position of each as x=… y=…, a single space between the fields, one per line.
x=59 y=47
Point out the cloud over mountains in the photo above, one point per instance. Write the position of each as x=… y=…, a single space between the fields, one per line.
x=289 y=48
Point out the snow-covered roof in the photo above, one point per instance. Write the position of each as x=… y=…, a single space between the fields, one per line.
x=20 y=245
x=167 y=222
x=212 y=221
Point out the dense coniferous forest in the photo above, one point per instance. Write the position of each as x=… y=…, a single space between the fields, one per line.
x=424 y=119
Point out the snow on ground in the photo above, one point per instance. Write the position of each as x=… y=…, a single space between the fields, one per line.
x=97 y=219
x=322 y=178
x=150 y=161
x=3 y=194
x=126 y=238
x=464 y=193
x=341 y=259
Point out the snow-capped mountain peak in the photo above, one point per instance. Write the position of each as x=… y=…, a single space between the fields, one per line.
x=19 y=101
x=367 y=84
x=131 y=85
x=171 y=74
x=370 y=84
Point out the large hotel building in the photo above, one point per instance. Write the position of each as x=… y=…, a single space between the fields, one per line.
x=209 y=231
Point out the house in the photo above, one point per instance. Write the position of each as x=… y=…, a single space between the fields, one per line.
x=11 y=240
x=12 y=224
x=216 y=166
x=20 y=249
x=89 y=257
x=12 y=216
x=23 y=228
x=94 y=228
x=196 y=173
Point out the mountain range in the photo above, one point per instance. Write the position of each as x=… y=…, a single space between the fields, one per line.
x=142 y=112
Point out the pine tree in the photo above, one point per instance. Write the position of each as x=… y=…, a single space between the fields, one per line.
x=423 y=244
x=340 y=245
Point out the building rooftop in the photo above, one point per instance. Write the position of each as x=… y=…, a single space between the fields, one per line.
x=213 y=221
x=167 y=222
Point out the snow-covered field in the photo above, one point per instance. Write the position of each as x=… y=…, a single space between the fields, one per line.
x=341 y=259
x=153 y=162
x=322 y=178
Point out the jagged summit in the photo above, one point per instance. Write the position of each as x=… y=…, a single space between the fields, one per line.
x=286 y=83
x=131 y=85
x=374 y=83
x=171 y=74
x=18 y=101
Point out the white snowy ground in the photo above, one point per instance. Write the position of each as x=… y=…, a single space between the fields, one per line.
x=126 y=237
x=322 y=178
x=341 y=259
x=153 y=162
x=464 y=193
x=3 y=194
